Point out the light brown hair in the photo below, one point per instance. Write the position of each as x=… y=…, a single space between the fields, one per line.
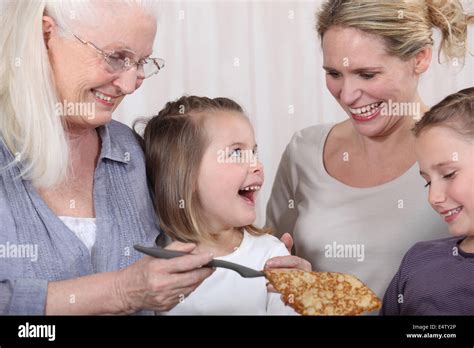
x=456 y=112
x=174 y=142
x=404 y=25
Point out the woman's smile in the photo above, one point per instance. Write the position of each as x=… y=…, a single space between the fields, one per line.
x=103 y=98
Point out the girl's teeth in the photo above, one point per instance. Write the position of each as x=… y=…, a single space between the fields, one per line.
x=253 y=188
x=452 y=212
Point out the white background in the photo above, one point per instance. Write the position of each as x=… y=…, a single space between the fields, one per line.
x=266 y=55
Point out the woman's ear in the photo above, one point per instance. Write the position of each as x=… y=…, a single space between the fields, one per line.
x=48 y=25
x=423 y=60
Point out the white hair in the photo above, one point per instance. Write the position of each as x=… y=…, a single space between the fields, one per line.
x=71 y=13
x=30 y=124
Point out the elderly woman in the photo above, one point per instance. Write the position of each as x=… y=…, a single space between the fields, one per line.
x=351 y=193
x=73 y=191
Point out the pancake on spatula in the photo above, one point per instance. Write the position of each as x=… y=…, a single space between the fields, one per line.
x=323 y=293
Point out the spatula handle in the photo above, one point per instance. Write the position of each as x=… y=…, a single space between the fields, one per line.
x=169 y=254
x=159 y=252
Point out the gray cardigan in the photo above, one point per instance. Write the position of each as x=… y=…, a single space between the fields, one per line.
x=36 y=247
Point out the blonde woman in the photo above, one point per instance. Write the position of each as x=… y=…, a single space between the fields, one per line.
x=350 y=192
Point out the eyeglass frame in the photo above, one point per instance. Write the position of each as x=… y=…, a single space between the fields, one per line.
x=127 y=63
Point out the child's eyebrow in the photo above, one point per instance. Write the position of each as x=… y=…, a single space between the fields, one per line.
x=239 y=144
x=242 y=144
x=442 y=164
x=438 y=165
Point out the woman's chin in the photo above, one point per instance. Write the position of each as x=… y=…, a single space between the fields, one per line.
x=368 y=129
x=92 y=121
x=100 y=118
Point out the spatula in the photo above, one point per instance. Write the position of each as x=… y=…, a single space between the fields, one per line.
x=169 y=254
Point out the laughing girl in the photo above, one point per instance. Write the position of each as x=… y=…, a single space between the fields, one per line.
x=201 y=160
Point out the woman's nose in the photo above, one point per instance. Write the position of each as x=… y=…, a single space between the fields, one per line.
x=128 y=81
x=350 y=92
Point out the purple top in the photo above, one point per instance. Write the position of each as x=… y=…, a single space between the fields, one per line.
x=435 y=278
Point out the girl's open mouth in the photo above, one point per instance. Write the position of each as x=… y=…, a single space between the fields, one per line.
x=248 y=194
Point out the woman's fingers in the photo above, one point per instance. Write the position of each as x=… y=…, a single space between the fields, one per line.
x=178 y=296
x=271 y=288
x=181 y=286
x=287 y=239
x=288 y=262
x=183 y=263
x=152 y=283
x=190 y=279
x=160 y=284
x=187 y=262
x=187 y=290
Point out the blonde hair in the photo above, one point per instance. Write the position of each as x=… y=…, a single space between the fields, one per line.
x=456 y=112
x=174 y=143
x=30 y=124
x=405 y=25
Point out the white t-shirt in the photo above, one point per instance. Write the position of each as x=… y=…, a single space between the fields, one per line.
x=225 y=292
x=84 y=228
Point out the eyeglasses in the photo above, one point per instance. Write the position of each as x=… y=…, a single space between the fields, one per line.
x=117 y=62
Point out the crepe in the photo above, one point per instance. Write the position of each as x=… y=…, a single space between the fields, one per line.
x=323 y=293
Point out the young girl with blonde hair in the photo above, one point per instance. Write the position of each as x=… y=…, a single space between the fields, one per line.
x=201 y=160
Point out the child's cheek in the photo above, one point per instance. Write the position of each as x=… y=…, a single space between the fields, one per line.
x=463 y=191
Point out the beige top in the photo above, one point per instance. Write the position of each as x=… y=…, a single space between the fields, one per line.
x=338 y=228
